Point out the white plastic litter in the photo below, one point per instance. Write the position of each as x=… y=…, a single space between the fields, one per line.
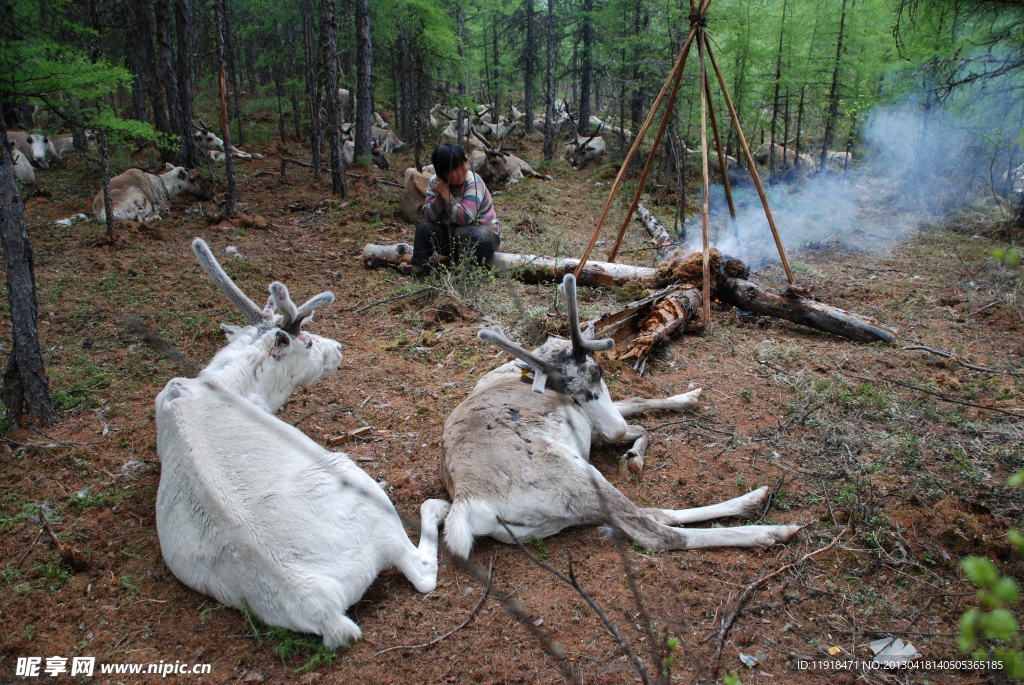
x=63 y=222
x=231 y=249
x=752 y=660
x=893 y=652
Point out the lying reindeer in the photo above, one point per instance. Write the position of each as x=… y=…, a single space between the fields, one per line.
x=518 y=452
x=138 y=196
x=252 y=510
x=500 y=166
x=214 y=145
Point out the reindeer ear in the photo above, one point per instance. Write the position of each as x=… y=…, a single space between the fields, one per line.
x=281 y=339
x=182 y=174
x=168 y=166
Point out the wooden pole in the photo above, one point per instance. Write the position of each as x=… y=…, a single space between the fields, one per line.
x=751 y=166
x=722 y=165
x=704 y=199
x=632 y=150
x=650 y=160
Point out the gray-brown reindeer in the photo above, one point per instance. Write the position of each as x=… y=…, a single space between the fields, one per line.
x=517 y=451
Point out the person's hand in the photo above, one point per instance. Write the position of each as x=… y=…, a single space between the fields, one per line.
x=442 y=190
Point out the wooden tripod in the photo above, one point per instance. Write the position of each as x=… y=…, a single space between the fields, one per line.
x=698 y=32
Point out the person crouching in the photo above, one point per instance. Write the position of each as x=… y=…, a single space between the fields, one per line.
x=460 y=221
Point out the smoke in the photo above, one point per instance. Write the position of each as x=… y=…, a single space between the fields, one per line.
x=911 y=165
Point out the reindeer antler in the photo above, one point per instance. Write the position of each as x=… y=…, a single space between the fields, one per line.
x=253 y=314
x=593 y=135
x=501 y=148
x=480 y=138
x=581 y=342
x=280 y=302
x=292 y=317
x=541 y=369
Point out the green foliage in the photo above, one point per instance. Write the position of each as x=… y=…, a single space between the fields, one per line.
x=991 y=630
x=540 y=549
x=289 y=643
x=1007 y=256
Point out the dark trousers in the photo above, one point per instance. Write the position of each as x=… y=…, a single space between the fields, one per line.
x=479 y=241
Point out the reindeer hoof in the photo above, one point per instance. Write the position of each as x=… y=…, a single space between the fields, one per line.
x=636 y=465
x=623 y=469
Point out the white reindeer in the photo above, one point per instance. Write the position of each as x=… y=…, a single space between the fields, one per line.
x=209 y=141
x=252 y=510
x=23 y=171
x=35 y=146
x=518 y=451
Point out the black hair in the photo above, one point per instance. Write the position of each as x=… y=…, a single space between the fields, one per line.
x=447 y=157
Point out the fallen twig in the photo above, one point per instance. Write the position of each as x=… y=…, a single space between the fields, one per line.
x=28 y=549
x=958 y=360
x=553 y=649
x=749 y=591
x=66 y=552
x=389 y=183
x=487 y=590
x=571 y=581
x=950 y=399
x=390 y=299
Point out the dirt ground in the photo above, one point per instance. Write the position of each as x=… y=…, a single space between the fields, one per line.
x=917 y=482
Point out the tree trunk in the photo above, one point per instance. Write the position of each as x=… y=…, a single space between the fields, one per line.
x=133 y=55
x=775 y=101
x=170 y=78
x=549 y=113
x=156 y=96
x=294 y=74
x=529 y=50
x=329 y=57
x=233 y=77
x=833 y=95
x=312 y=92
x=189 y=155
x=231 y=203
x=280 y=108
x=496 y=93
x=587 y=63
x=108 y=201
x=461 y=18
x=799 y=129
x=364 y=74
x=25 y=389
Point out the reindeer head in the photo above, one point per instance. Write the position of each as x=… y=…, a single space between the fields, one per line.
x=182 y=181
x=282 y=355
x=497 y=160
x=37 y=144
x=377 y=153
x=579 y=152
x=206 y=137
x=566 y=367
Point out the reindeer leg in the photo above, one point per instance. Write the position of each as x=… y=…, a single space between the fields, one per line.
x=748 y=505
x=682 y=402
x=643 y=527
x=420 y=564
x=633 y=460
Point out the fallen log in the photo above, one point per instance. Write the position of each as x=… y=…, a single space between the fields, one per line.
x=645 y=316
x=530 y=268
x=657 y=231
x=535 y=269
x=750 y=296
x=667 y=316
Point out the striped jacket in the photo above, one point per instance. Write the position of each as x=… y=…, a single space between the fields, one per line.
x=470 y=204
